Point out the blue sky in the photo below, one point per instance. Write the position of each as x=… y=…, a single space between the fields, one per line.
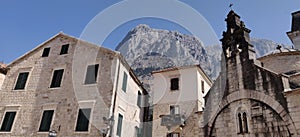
x=26 y=24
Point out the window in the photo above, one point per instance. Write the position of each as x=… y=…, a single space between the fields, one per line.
x=8 y=121
x=57 y=77
x=138 y=132
x=83 y=119
x=202 y=86
x=174 y=110
x=46 y=52
x=242 y=123
x=21 y=82
x=46 y=120
x=119 y=128
x=174 y=83
x=124 y=86
x=245 y=122
x=91 y=74
x=64 y=49
x=173 y=135
x=139 y=99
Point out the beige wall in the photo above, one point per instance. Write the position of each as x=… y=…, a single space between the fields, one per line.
x=189 y=97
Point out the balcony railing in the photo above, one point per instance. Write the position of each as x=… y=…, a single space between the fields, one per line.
x=172 y=120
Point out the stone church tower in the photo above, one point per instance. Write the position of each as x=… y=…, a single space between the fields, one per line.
x=247 y=99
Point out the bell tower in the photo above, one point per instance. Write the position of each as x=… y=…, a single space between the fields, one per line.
x=239 y=54
x=236 y=39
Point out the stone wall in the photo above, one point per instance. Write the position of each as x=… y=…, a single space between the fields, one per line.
x=71 y=95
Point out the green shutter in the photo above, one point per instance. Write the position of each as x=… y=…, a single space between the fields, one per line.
x=119 y=128
x=124 y=86
x=139 y=99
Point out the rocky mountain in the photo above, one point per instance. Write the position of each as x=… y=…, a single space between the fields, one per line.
x=147 y=49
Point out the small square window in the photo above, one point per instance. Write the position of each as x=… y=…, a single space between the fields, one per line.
x=174 y=84
x=21 y=82
x=8 y=121
x=46 y=120
x=46 y=52
x=91 y=74
x=64 y=49
x=174 y=109
x=83 y=119
x=57 y=77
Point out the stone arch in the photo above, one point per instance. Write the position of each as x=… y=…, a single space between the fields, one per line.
x=258 y=96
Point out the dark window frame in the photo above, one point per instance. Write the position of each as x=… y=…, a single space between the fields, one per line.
x=119 y=126
x=46 y=52
x=174 y=109
x=202 y=87
x=242 y=123
x=174 y=84
x=83 y=120
x=57 y=78
x=46 y=121
x=91 y=74
x=172 y=134
x=8 y=121
x=21 y=81
x=64 y=49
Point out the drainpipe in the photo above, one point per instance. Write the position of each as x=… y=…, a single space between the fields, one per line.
x=111 y=123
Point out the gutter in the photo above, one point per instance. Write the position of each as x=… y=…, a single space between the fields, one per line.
x=111 y=117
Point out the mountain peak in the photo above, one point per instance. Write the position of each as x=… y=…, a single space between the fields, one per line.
x=141 y=27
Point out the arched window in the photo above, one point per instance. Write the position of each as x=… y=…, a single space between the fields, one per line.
x=242 y=123
x=245 y=122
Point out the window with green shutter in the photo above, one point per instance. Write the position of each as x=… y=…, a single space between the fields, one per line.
x=119 y=127
x=124 y=86
x=139 y=99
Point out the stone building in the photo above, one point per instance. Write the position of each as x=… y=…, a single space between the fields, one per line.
x=178 y=100
x=2 y=73
x=295 y=30
x=72 y=87
x=254 y=97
